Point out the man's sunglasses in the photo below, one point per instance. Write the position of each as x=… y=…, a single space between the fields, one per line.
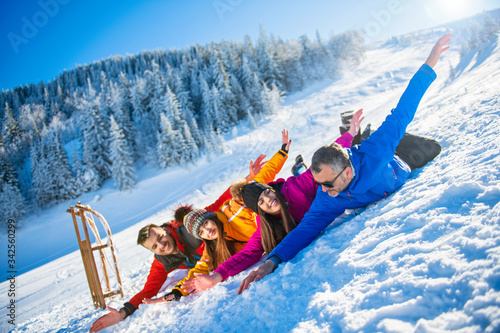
x=330 y=184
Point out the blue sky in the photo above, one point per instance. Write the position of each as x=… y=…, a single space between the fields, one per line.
x=40 y=38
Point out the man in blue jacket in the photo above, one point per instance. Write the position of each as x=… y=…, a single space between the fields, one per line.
x=356 y=177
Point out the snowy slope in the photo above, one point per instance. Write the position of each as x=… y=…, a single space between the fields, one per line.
x=425 y=259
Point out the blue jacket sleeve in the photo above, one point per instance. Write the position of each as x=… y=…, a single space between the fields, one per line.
x=383 y=142
x=381 y=145
x=322 y=212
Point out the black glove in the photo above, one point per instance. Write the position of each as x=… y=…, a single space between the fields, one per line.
x=177 y=295
x=283 y=148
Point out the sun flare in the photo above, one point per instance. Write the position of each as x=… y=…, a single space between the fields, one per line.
x=449 y=9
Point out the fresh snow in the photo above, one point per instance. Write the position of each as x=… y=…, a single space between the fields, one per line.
x=426 y=259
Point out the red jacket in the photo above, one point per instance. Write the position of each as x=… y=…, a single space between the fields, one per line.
x=159 y=270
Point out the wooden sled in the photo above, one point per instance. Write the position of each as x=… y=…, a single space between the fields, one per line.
x=86 y=216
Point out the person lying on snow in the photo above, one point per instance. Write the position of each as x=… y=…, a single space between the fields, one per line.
x=355 y=177
x=280 y=205
x=173 y=248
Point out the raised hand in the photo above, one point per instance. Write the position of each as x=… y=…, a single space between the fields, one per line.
x=256 y=166
x=356 y=123
x=437 y=50
x=110 y=319
x=284 y=139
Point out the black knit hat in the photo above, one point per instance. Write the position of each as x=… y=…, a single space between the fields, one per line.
x=195 y=219
x=251 y=194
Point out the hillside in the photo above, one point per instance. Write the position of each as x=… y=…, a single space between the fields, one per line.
x=425 y=259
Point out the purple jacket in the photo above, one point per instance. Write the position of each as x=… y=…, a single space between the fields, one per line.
x=299 y=193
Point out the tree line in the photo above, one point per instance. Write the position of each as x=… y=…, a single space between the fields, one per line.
x=103 y=120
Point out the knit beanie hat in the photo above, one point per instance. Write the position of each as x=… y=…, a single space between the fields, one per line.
x=195 y=219
x=251 y=194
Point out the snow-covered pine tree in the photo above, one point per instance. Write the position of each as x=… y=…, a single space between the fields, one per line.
x=7 y=172
x=207 y=113
x=137 y=100
x=32 y=119
x=105 y=96
x=307 y=58
x=250 y=53
x=95 y=140
x=219 y=147
x=125 y=93
x=91 y=179
x=179 y=125
x=12 y=203
x=220 y=118
x=267 y=71
x=244 y=73
x=16 y=102
x=180 y=91
x=47 y=103
x=254 y=94
x=41 y=186
x=208 y=147
x=145 y=124
x=271 y=99
x=191 y=150
x=242 y=102
x=231 y=57
x=195 y=92
x=226 y=98
x=186 y=108
x=273 y=49
x=60 y=100
x=251 y=86
x=168 y=150
x=78 y=174
x=11 y=132
x=121 y=114
x=122 y=168
x=155 y=90
x=346 y=48
x=173 y=110
x=251 y=118
x=294 y=76
x=61 y=177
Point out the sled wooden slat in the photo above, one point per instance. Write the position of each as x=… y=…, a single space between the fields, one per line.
x=86 y=215
x=99 y=247
x=113 y=293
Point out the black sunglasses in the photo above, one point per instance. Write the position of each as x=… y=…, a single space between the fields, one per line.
x=330 y=184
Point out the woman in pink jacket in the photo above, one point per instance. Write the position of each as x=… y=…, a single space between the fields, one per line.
x=281 y=205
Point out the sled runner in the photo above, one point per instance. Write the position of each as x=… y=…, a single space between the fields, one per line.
x=86 y=216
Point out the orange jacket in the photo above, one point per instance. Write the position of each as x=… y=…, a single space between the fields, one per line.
x=272 y=167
